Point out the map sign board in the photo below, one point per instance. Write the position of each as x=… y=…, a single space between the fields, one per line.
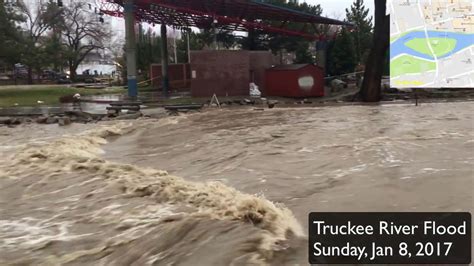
x=431 y=43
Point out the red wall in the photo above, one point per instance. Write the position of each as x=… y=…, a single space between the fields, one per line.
x=179 y=75
x=224 y=73
x=286 y=82
x=227 y=72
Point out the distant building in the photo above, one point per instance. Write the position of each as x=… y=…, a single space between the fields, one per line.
x=98 y=62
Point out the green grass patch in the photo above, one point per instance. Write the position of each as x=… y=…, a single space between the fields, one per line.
x=46 y=95
x=441 y=46
x=410 y=65
x=147 y=89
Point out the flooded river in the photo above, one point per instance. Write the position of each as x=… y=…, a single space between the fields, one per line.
x=100 y=194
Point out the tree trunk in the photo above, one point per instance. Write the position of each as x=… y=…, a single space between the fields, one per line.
x=30 y=76
x=72 y=72
x=15 y=73
x=251 y=40
x=371 y=86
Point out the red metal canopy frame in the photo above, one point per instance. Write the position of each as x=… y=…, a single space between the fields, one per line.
x=235 y=15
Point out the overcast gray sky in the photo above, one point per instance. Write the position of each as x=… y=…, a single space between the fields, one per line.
x=337 y=8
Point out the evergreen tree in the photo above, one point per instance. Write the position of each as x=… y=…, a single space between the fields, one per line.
x=195 y=43
x=342 y=54
x=224 y=38
x=277 y=42
x=10 y=34
x=148 y=49
x=303 y=54
x=362 y=35
x=53 y=52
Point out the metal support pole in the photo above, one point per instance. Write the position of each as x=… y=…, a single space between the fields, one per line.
x=164 y=60
x=321 y=49
x=214 y=29
x=175 y=49
x=189 y=46
x=131 y=44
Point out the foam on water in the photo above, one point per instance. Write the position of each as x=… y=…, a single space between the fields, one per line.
x=81 y=154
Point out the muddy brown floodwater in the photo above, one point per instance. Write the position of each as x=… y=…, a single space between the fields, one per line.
x=250 y=178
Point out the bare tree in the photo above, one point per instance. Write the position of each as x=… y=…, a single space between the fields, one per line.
x=371 y=86
x=39 y=20
x=82 y=33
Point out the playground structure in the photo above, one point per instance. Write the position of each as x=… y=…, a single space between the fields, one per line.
x=235 y=15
